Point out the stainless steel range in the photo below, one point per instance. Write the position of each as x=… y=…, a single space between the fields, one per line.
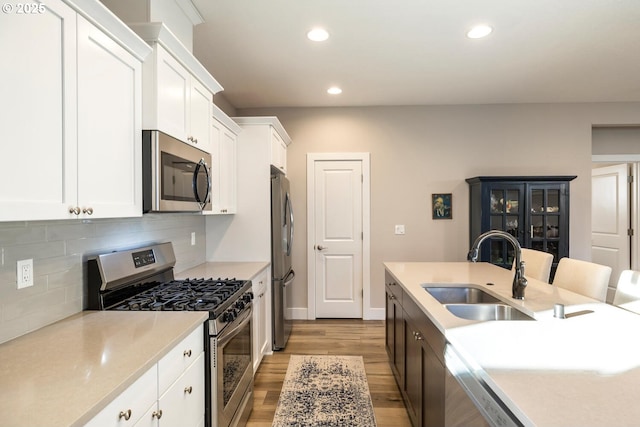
x=142 y=279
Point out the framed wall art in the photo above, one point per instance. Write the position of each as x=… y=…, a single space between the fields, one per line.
x=441 y=205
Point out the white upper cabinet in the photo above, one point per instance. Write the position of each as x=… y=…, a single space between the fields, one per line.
x=175 y=102
x=72 y=137
x=171 y=88
x=177 y=89
x=224 y=137
x=109 y=126
x=278 y=152
x=278 y=138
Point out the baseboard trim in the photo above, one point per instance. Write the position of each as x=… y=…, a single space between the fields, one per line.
x=301 y=313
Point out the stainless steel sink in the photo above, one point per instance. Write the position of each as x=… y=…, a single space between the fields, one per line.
x=460 y=295
x=487 y=312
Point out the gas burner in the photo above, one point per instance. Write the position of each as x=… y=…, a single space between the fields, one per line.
x=197 y=294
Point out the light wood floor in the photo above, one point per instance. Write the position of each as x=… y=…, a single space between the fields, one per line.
x=340 y=337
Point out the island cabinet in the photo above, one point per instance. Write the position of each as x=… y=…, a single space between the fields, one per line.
x=394 y=330
x=533 y=209
x=65 y=131
x=416 y=354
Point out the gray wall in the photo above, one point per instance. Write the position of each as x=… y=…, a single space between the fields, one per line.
x=60 y=249
x=416 y=151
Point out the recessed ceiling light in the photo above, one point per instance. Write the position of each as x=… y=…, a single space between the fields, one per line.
x=318 y=35
x=479 y=31
x=334 y=90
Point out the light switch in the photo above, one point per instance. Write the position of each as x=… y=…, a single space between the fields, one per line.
x=399 y=229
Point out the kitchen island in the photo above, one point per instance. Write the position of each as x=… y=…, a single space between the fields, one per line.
x=579 y=371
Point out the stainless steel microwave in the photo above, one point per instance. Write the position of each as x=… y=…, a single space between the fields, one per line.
x=176 y=177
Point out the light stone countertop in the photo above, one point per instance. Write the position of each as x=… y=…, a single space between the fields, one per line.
x=65 y=373
x=580 y=371
x=224 y=270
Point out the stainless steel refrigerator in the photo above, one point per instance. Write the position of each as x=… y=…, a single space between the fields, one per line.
x=281 y=271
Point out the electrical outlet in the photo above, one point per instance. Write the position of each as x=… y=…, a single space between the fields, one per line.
x=24 y=272
x=399 y=229
x=193 y=238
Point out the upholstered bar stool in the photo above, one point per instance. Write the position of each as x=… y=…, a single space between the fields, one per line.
x=582 y=277
x=628 y=289
x=537 y=264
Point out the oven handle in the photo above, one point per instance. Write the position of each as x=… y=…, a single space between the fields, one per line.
x=227 y=335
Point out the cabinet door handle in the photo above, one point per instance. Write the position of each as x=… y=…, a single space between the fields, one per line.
x=187 y=353
x=531 y=230
x=88 y=210
x=392 y=297
x=188 y=389
x=74 y=210
x=125 y=414
x=157 y=414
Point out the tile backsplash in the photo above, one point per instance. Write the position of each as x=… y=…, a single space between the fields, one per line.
x=60 y=249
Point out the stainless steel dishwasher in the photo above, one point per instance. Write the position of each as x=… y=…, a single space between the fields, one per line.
x=488 y=404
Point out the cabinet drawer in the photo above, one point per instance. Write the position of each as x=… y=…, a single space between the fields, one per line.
x=393 y=288
x=183 y=403
x=174 y=363
x=259 y=283
x=131 y=403
x=395 y=292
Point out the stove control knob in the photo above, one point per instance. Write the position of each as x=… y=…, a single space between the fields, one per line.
x=229 y=316
x=239 y=305
x=247 y=297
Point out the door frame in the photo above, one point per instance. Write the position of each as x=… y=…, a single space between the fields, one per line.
x=367 y=312
x=634 y=201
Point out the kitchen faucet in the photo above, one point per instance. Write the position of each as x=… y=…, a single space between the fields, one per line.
x=519 y=281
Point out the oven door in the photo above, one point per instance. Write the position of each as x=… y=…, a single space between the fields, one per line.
x=176 y=176
x=232 y=397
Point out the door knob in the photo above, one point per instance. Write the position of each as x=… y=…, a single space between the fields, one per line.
x=321 y=248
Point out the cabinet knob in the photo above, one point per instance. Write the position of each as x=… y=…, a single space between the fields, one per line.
x=392 y=297
x=188 y=389
x=88 y=210
x=187 y=353
x=74 y=210
x=157 y=414
x=125 y=414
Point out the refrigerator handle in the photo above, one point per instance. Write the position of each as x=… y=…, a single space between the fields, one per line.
x=287 y=280
x=290 y=240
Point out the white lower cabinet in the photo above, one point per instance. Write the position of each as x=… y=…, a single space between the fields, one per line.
x=183 y=403
x=130 y=406
x=261 y=317
x=169 y=394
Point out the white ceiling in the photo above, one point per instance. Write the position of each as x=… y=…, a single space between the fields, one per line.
x=415 y=52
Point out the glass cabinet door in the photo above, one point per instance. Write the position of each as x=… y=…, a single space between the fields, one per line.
x=545 y=226
x=505 y=213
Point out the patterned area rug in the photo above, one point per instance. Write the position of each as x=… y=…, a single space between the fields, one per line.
x=327 y=391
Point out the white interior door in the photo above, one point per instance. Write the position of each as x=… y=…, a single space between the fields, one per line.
x=338 y=239
x=610 y=243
